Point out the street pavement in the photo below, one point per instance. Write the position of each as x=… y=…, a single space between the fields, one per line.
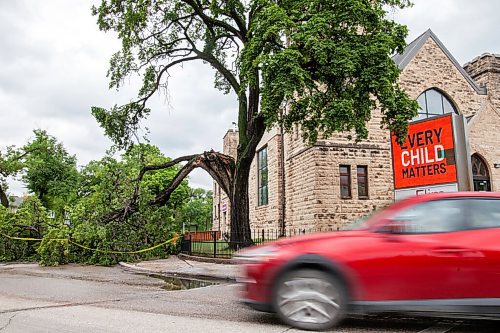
x=74 y=298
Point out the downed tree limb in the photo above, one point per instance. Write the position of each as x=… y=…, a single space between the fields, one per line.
x=220 y=166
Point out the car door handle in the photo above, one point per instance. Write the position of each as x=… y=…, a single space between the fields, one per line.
x=456 y=251
x=450 y=250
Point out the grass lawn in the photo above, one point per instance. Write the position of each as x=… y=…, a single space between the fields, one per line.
x=207 y=249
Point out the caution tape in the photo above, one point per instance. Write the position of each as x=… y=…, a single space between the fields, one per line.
x=173 y=239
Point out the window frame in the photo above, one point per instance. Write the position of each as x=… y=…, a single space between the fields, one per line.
x=485 y=179
x=260 y=170
x=366 y=195
x=424 y=113
x=349 y=181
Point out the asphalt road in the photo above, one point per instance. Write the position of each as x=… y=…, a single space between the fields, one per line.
x=99 y=299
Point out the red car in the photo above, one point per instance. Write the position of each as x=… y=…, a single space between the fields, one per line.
x=435 y=255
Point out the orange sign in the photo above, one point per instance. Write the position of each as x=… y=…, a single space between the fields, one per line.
x=428 y=155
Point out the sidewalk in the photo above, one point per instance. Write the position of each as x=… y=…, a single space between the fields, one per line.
x=175 y=266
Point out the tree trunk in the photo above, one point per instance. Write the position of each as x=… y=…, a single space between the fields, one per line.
x=3 y=198
x=251 y=130
x=240 y=221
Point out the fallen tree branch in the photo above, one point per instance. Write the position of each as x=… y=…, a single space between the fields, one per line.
x=220 y=166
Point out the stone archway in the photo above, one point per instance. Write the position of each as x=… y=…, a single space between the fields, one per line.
x=480 y=174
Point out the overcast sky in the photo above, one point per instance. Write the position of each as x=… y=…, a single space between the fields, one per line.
x=53 y=63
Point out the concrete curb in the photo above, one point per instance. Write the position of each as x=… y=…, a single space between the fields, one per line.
x=135 y=268
x=207 y=259
x=180 y=274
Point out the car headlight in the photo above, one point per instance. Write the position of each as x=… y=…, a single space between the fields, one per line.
x=257 y=254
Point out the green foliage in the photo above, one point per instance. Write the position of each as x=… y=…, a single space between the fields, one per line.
x=328 y=61
x=30 y=221
x=51 y=172
x=5 y=228
x=108 y=185
x=54 y=248
x=157 y=36
x=197 y=211
x=102 y=186
x=32 y=213
x=92 y=236
x=11 y=163
x=321 y=65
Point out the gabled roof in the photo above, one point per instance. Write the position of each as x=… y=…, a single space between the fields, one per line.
x=412 y=49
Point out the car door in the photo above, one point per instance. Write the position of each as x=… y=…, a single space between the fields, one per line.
x=417 y=256
x=481 y=264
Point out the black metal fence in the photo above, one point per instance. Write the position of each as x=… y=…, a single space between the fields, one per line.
x=216 y=245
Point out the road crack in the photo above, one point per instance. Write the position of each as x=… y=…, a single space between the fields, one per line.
x=8 y=323
x=186 y=262
x=9 y=271
x=62 y=305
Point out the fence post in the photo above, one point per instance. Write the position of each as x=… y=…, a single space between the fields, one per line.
x=186 y=244
x=190 y=244
x=214 y=238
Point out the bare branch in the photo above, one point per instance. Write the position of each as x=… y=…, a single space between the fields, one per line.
x=168 y=26
x=222 y=69
x=28 y=227
x=142 y=101
x=210 y=22
x=241 y=24
x=148 y=168
x=219 y=166
x=162 y=198
x=212 y=60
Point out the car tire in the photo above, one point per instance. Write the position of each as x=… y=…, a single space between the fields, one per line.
x=309 y=299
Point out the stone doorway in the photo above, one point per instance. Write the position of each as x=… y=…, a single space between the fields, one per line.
x=480 y=174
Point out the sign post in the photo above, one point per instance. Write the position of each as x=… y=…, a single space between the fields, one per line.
x=433 y=158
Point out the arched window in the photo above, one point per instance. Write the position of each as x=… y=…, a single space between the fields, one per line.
x=480 y=174
x=433 y=103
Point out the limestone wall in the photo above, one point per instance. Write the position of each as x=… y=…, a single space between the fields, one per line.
x=221 y=210
x=484 y=135
x=267 y=216
x=431 y=68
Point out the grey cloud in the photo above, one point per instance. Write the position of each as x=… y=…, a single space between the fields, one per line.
x=54 y=62
x=14 y=17
x=467 y=28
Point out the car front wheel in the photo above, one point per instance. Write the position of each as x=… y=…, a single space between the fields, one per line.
x=309 y=299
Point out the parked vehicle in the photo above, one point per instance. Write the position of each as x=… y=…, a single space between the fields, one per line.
x=436 y=255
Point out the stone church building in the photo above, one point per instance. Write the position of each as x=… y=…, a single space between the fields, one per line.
x=333 y=182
